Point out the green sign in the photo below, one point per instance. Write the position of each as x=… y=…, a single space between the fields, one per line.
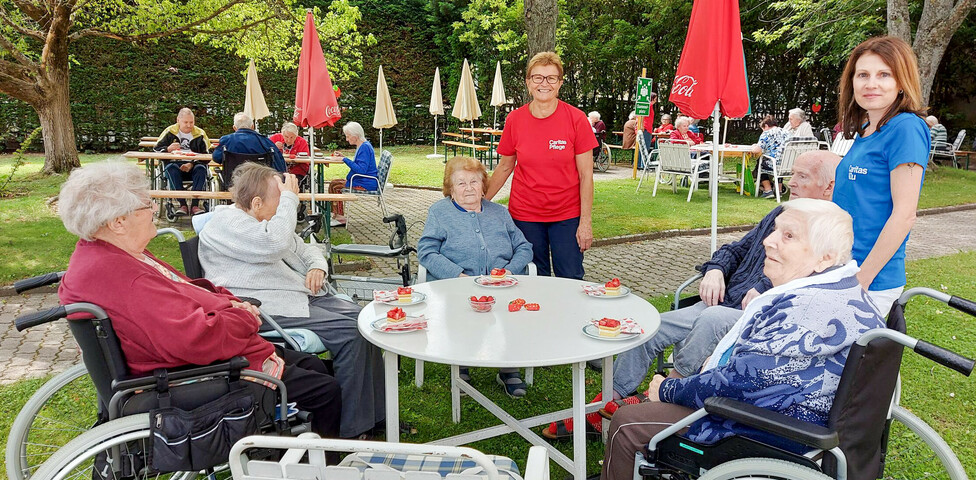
x=642 y=99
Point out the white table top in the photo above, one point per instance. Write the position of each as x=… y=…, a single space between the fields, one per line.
x=457 y=335
x=722 y=148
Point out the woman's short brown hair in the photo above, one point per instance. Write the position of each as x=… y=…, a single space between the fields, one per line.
x=250 y=180
x=768 y=121
x=542 y=59
x=904 y=66
x=463 y=163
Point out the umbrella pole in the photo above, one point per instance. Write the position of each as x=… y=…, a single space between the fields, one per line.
x=311 y=168
x=494 y=121
x=435 y=135
x=713 y=176
x=381 y=140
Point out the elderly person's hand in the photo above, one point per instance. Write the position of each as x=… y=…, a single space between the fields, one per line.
x=712 y=287
x=288 y=183
x=186 y=167
x=654 y=388
x=750 y=295
x=250 y=309
x=280 y=145
x=173 y=147
x=756 y=149
x=314 y=280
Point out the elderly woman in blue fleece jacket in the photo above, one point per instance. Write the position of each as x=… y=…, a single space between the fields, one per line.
x=787 y=351
x=466 y=235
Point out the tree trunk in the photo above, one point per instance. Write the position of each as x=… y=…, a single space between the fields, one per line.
x=540 y=25
x=939 y=21
x=899 y=20
x=60 y=150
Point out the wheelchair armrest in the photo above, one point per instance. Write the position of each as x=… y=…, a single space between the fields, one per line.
x=21 y=286
x=776 y=423
x=252 y=301
x=182 y=373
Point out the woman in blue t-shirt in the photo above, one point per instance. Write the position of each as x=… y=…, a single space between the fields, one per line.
x=879 y=180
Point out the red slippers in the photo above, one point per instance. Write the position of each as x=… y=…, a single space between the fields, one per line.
x=611 y=407
x=564 y=428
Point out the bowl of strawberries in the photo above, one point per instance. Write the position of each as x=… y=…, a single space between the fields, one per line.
x=482 y=304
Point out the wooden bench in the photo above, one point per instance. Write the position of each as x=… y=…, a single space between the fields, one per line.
x=483 y=152
x=462 y=136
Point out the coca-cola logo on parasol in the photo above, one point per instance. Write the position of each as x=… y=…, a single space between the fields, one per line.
x=684 y=85
x=332 y=111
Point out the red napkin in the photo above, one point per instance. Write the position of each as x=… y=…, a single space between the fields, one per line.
x=408 y=325
x=627 y=325
x=487 y=280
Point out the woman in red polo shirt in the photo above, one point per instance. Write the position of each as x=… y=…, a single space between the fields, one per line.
x=549 y=145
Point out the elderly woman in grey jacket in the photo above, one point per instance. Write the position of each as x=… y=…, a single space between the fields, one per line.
x=252 y=250
x=467 y=235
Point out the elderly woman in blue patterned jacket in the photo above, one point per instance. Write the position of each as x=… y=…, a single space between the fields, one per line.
x=785 y=353
x=467 y=235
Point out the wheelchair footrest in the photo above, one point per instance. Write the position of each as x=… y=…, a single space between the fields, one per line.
x=368 y=250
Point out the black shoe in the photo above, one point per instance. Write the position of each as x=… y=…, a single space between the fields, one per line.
x=595 y=365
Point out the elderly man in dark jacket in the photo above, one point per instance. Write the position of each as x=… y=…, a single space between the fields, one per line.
x=246 y=140
x=733 y=277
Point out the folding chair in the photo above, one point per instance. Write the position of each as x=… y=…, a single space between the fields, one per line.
x=947 y=150
x=783 y=166
x=675 y=158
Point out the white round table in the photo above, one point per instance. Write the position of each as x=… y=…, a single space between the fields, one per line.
x=457 y=335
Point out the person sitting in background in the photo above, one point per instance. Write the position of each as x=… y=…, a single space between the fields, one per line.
x=467 y=235
x=291 y=144
x=185 y=135
x=630 y=131
x=682 y=132
x=786 y=351
x=252 y=249
x=666 y=126
x=770 y=146
x=246 y=140
x=162 y=318
x=937 y=132
x=798 y=126
x=733 y=277
x=361 y=166
x=599 y=130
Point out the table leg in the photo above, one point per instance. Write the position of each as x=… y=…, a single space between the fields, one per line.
x=579 y=419
x=455 y=394
x=390 y=361
x=607 y=390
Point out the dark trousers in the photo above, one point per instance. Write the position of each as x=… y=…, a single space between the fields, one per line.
x=176 y=177
x=558 y=240
x=315 y=391
x=630 y=430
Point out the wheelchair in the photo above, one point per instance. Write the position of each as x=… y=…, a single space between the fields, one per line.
x=854 y=442
x=64 y=407
x=121 y=444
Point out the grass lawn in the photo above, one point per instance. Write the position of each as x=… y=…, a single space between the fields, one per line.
x=941 y=397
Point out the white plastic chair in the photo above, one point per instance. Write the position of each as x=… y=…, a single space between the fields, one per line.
x=841 y=145
x=304 y=459
x=783 y=166
x=646 y=153
x=947 y=150
x=419 y=365
x=675 y=158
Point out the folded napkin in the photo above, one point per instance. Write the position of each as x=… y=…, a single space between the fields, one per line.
x=385 y=295
x=408 y=325
x=497 y=282
x=627 y=325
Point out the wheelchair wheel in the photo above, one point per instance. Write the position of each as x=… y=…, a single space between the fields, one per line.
x=170 y=212
x=602 y=162
x=59 y=411
x=129 y=435
x=915 y=450
x=762 y=468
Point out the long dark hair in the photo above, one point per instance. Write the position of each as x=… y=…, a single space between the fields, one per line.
x=904 y=66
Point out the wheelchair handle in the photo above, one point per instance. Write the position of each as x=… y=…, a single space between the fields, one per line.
x=945 y=357
x=26 y=284
x=24 y=322
x=963 y=305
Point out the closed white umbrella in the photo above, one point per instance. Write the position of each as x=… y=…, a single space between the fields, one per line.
x=497 y=93
x=466 y=106
x=383 y=115
x=436 y=106
x=254 y=104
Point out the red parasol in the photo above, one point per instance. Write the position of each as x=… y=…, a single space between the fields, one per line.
x=315 y=99
x=712 y=66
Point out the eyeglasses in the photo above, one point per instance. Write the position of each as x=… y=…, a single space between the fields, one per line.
x=148 y=204
x=550 y=79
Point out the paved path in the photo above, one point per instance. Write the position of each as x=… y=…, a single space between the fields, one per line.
x=651 y=268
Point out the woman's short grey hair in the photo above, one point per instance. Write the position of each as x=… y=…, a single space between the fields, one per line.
x=242 y=120
x=829 y=228
x=594 y=114
x=682 y=120
x=98 y=193
x=289 y=127
x=250 y=180
x=632 y=115
x=665 y=118
x=798 y=113
x=354 y=129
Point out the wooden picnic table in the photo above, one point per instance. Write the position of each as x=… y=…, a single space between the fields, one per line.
x=490 y=131
x=487 y=147
x=150 y=142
